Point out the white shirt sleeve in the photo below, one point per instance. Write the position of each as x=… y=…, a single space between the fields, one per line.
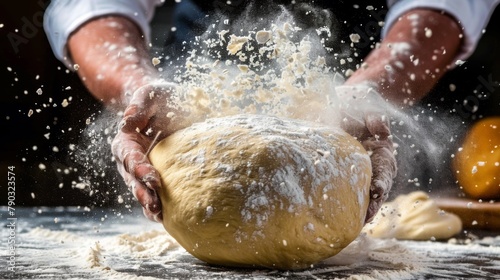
x=472 y=15
x=63 y=17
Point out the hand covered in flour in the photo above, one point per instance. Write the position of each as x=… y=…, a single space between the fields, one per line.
x=364 y=116
x=146 y=120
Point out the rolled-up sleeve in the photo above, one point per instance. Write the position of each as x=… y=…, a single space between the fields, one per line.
x=63 y=17
x=472 y=15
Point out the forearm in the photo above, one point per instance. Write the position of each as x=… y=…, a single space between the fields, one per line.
x=415 y=54
x=112 y=58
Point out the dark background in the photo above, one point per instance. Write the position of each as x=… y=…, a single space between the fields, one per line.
x=27 y=64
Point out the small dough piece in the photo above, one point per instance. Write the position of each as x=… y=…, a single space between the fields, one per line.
x=236 y=44
x=254 y=190
x=413 y=217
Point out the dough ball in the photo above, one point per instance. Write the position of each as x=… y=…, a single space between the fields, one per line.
x=253 y=190
x=413 y=217
x=477 y=164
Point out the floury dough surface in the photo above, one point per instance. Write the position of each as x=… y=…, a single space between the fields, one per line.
x=254 y=190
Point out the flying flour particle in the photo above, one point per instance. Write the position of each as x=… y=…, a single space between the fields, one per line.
x=354 y=38
x=428 y=32
x=155 y=61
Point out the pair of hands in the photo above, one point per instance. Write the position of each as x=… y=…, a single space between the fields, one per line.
x=143 y=123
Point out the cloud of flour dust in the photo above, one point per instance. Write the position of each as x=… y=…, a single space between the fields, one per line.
x=99 y=176
x=258 y=64
x=427 y=140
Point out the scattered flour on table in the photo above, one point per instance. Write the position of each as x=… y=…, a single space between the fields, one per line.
x=125 y=256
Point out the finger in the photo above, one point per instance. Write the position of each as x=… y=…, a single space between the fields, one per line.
x=138 y=164
x=144 y=105
x=355 y=127
x=140 y=109
x=147 y=197
x=155 y=217
x=372 y=211
x=378 y=195
x=125 y=143
x=384 y=170
x=131 y=155
x=136 y=117
x=378 y=125
x=144 y=194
